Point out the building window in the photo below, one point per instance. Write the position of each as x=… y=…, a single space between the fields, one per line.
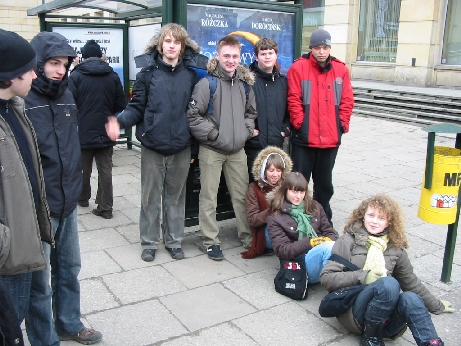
x=313 y=12
x=378 y=30
x=451 y=53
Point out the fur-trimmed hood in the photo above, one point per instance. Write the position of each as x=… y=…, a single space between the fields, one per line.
x=261 y=160
x=243 y=72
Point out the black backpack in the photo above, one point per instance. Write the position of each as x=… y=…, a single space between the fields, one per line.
x=291 y=280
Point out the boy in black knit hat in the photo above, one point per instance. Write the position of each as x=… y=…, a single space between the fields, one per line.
x=24 y=218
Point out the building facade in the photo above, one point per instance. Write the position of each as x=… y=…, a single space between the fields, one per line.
x=409 y=42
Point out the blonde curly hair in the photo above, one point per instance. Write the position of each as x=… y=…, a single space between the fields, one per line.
x=392 y=211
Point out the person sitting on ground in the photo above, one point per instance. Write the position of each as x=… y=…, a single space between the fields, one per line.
x=375 y=241
x=269 y=169
x=297 y=224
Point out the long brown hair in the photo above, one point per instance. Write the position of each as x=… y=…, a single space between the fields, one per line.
x=293 y=181
x=393 y=213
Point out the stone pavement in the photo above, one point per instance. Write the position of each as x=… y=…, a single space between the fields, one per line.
x=197 y=301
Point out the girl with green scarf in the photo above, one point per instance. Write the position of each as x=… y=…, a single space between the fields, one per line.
x=297 y=224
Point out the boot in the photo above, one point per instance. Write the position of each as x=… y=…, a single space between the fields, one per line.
x=435 y=342
x=372 y=334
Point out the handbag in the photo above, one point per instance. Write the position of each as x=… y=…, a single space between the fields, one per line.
x=291 y=280
x=339 y=301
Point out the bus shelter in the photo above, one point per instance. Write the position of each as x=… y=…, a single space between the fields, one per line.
x=124 y=27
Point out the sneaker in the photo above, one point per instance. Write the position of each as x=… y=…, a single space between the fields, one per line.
x=84 y=203
x=214 y=252
x=87 y=336
x=176 y=253
x=434 y=342
x=268 y=252
x=148 y=255
x=106 y=214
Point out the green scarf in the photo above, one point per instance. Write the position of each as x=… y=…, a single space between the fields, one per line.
x=298 y=213
x=375 y=258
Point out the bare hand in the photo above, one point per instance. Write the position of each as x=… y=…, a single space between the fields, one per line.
x=192 y=161
x=283 y=134
x=112 y=128
x=255 y=133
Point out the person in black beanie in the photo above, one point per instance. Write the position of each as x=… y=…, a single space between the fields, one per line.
x=52 y=110
x=24 y=217
x=95 y=103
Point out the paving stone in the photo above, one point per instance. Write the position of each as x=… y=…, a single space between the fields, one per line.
x=100 y=239
x=144 y=323
x=200 y=271
x=97 y=263
x=206 y=306
x=95 y=297
x=142 y=284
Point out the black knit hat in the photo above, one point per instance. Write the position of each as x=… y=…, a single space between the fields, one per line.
x=91 y=49
x=320 y=37
x=16 y=56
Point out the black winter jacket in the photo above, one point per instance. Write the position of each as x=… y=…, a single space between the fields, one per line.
x=51 y=109
x=98 y=94
x=160 y=114
x=271 y=103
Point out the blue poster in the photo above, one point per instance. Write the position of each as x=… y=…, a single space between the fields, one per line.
x=207 y=24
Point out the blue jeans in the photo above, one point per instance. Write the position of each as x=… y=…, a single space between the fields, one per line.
x=65 y=289
x=316 y=259
x=382 y=301
x=268 y=240
x=18 y=287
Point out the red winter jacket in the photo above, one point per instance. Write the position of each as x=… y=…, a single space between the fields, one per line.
x=320 y=102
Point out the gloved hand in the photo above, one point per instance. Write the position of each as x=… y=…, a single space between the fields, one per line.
x=372 y=276
x=448 y=306
x=318 y=240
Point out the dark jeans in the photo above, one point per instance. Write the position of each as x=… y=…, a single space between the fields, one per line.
x=10 y=329
x=103 y=157
x=319 y=163
x=382 y=301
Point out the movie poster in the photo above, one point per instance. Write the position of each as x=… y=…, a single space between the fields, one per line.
x=109 y=39
x=206 y=24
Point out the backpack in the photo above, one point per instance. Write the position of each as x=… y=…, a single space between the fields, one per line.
x=213 y=82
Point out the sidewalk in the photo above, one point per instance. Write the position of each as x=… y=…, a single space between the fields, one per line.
x=197 y=301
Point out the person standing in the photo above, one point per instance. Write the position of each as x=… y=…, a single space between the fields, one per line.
x=320 y=102
x=158 y=109
x=52 y=110
x=273 y=122
x=24 y=214
x=98 y=94
x=222 y=132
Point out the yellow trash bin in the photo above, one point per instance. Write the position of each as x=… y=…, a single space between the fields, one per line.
x=438 y=204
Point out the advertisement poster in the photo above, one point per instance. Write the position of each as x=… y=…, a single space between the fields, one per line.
x=109 y=39
x=138 y=38
x=206 y=24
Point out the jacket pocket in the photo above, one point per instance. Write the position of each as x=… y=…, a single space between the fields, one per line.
x=5 y=243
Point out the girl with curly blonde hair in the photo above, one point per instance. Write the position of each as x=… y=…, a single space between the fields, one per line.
x=374 y=240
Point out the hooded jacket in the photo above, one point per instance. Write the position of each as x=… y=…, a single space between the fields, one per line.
x=233 y=113
x=282 y=231
x=320 y=102
x=271 y=103
x=352 y=247
x=257 y=213
x=51 y=109
x=158 y=107
x=98 y=93
x=22 y=225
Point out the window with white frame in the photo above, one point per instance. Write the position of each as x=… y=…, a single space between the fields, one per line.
x=378 y=30
x=451 y=51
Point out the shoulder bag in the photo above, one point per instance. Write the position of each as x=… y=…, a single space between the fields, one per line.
x=291 y=280
x=339 y=301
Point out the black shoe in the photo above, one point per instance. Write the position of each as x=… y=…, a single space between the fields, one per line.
x=372 y=334
x=435 y=342
x=148 y=255
x=176 y=253
x=268 y=252
x=106 y=214
x=84 y=203
x=214 y=252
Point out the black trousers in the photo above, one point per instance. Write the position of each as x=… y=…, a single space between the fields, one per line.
x=319 y=163
x=103 y=157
